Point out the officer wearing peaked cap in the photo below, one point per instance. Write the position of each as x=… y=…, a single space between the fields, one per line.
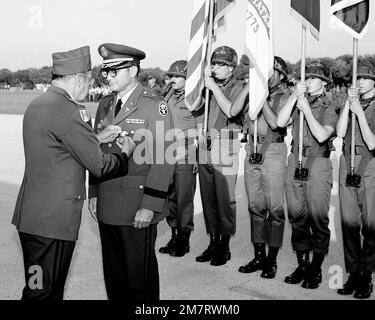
x=59 y=146
x=129 y=208
x=357 y=202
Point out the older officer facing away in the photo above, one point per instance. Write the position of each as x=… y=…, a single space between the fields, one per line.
x=130 y=207
x=59 y=146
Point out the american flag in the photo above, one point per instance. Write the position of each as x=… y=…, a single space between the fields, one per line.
x=351 y=15
x=198 y=46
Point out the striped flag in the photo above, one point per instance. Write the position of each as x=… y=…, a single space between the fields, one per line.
x=351 y=15
x=308 y=13
x=259 y=49
x=198 y=46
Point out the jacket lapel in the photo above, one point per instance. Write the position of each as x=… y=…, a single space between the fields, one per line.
x=130 y=105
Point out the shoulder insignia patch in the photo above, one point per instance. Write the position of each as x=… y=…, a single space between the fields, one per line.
x=85 y=116
x=163 y=108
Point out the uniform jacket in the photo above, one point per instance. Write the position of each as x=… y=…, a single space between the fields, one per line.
x=59 y=146
x=147 y=183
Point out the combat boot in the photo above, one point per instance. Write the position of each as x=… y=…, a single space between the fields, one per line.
x=171 y=243
x=365 y=286
x=222 y=253
x=298 y=275
x=182 y=245
x=350 y=285
x=314 y=272
x=270 y=267
x=258 y=262
x=208 y=254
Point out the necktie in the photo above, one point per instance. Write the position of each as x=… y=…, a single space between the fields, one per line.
x=118 y=107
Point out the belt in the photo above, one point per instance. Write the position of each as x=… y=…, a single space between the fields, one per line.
x=231 y=135
x=320 y=154
x=277 y=139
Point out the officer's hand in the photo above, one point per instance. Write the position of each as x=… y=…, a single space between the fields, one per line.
x=126 y=144
x=143 y=218
x=92 y=208
x=301 y=89
x=303 y=104
x=109 y=134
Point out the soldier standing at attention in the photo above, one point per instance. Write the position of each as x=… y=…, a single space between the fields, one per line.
x=265 y=175
x=59 y=146
x=181 y=199
x=308 y=191
x=357 y=195
x=129 y=208
x=218 y=176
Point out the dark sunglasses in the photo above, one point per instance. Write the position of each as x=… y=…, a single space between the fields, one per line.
x=111 y=71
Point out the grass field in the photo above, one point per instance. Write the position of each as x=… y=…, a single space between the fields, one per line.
x=16 y=102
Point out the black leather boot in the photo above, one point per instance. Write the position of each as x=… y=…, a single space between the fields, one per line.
x=298 y=275
x=314 y=272
x=208 y=254
x=365 y=286
x=258 y=262
x=182 y=245
x=270 y=267
x=222 y=253
x=171 y=243
x=350 y=285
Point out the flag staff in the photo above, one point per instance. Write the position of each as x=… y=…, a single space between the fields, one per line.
x=208 y=61
x=301 y=115
x=355 y=68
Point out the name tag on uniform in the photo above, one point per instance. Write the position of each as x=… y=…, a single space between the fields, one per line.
x=135 y=121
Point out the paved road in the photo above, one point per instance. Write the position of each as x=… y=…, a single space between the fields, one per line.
x=181 y=278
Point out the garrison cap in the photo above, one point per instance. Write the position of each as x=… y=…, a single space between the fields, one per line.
x=366 y=71
x=178 y=69
x=114 y=54
x=71 y=62
x=226 y=55
x=281 y=66
x=318 y=70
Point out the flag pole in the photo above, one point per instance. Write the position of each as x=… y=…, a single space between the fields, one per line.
x=355 y=68
x=208 y=61
x=255 y=135
x=303 y=80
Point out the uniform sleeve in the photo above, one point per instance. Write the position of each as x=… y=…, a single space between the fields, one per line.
x=160 y=175
x=81 y=141
x=331 y=117
x=93 y=181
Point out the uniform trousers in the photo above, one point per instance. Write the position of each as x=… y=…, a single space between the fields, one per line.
x=129 y=262
x=181 y=198
x=265 y=185
x=53 y=256
x=308 y=205
x=358 y=217
x=217 y=180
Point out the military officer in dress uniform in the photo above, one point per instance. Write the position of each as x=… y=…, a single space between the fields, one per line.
x=308 y=189
x=357 y=196
x=59 y=146
x=218 y=172
x=265 y=176
x=181 y=200
x=129 y=208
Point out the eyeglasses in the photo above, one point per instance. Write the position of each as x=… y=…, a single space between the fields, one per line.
x=111 y=71
x=90 y=80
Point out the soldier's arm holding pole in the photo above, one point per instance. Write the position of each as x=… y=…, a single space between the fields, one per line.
x=284 y=116
x=239 y=103
x=342 y=124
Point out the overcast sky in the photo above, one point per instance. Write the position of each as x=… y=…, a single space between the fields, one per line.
x=30 y=30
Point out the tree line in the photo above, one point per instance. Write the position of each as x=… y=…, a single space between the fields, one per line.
x=341 y=68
